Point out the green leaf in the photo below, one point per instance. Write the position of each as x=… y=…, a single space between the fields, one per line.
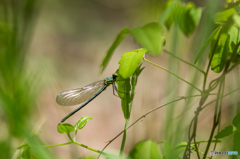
x=236 y=142
x=65 y=128
x=220 y=53
x=183 y=19
x=82 y=122
x=135 y=76
x=189 y=18
x=130 y=61
x=236 y=20
x=186 y=16
x=146 y=150
x=121 y=36
x=195 y=13
x=203 y=48
x=236 y=122
x=150 y=37
x=234 y=34
x=169 y=151
x=124 y=89
x=223 y=16
x=225 y=132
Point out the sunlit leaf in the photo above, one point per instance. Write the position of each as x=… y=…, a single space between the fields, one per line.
x=195 y=14
x=236 y=20
x=130 y=61
x=124 y=89
x=223 y=16
x=234 y=39
x=220 y=52
x=150 y=37
x=65 y=128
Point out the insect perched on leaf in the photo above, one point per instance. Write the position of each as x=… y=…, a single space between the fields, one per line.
x=85 y=94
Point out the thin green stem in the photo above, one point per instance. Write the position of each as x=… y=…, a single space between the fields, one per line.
x=167 y=52
x=216 y=119
x=89 y=148
x=70 y=137
x=172 y=74
x=230 y=69
x=124 y=138
x=143 y=116
x=219 y=116
x=195 y=143
x=221 y=98
x=75 y=142
x=67 y=143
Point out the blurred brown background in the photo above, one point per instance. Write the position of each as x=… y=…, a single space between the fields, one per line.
x=70 y=40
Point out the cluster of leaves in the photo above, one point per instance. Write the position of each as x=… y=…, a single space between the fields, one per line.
x=27 y=148
x=224 y=48
x=67 y=128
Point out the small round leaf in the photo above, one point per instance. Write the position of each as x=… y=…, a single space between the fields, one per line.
x=65 y=128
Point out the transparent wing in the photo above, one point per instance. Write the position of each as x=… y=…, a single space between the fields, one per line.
x=80 y=95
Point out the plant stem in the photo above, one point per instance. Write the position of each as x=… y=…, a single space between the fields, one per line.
x=75 y=142
x=216 y=117
x=89 y=148
x=143 y=116
x=58 y=144
x=172 y=74
x=167 y=52
x=124 y=138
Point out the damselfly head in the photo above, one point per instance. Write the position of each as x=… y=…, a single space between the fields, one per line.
x=114 y=76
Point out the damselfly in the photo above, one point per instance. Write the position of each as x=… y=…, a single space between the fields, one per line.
x=85 y=94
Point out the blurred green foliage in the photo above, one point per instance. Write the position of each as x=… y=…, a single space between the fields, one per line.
x=18 y=86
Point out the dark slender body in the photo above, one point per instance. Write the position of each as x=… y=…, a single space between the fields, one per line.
x=85 y=94
x=84 y=104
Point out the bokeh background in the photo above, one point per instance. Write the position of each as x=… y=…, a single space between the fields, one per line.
x=51 y=46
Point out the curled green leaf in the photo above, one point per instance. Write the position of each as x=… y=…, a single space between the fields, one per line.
x=82 y=122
